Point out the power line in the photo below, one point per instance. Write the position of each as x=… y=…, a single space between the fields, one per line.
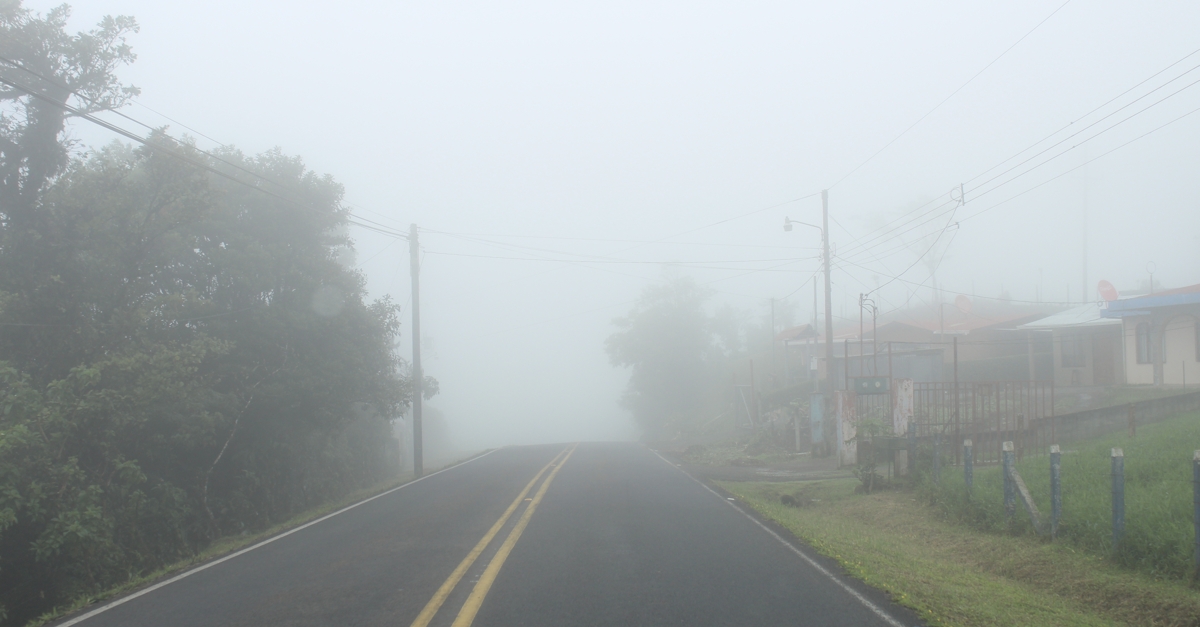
x=952 y=94
x=355 y=220
x=902 y=220
x=1104 y=154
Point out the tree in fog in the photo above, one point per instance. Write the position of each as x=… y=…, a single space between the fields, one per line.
x=667 y=342
x=181 y=356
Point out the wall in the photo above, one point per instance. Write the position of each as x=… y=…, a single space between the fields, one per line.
x=1179 y=352
x=1086 y=375
x=1180 y=366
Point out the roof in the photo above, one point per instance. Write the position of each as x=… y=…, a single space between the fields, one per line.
x=1080 y=317
x=962 y=324
x=1178 y=297
x=802 y=332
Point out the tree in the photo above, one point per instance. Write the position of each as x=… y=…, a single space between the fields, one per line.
x=667 y=342
x=184 y=356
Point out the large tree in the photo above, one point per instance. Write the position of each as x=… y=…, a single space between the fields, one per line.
x=184 y=354
x=667 y=342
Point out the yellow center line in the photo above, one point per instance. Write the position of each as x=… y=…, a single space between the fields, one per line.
x=443 y=592
x=469 y=609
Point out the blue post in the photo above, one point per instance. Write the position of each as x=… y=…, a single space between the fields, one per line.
x=1118 y=495
x=968 y=470
x=1196 y=505
x=1055 y=489
x=1010 y=487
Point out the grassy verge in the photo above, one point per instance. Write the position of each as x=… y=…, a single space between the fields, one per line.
x=952 y=574
x=1158 y=538
x=229 y=544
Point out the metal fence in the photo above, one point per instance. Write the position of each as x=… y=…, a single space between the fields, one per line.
x=988 y=413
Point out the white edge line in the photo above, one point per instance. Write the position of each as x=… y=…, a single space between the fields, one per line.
x=188 y=573
x=878 y=611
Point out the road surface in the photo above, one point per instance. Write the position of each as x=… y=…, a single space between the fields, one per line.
x=540 y=536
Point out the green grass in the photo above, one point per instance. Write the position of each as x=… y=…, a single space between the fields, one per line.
x=952 y=574
x=1158 y=537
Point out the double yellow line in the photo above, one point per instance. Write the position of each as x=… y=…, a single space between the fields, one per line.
x=470 y=608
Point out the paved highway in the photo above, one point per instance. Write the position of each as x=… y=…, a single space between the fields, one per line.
x=541 y=536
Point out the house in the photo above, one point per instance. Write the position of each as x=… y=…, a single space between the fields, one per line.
x=1160 y=336
x=1086 y=347
x=919 y=345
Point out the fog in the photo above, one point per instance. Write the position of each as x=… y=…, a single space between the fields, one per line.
x=559 y=157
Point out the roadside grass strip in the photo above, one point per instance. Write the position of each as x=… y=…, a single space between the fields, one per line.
x=952 y=574
x=1158 y=537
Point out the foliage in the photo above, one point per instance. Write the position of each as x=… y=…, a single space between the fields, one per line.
x=184 y=357
x=668 y=343
x=867 y=466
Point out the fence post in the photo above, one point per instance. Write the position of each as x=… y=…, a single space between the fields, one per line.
x=1010 y=490
x=1196 y=506
x=912 y=446
x=968 y=470
x=1132 y=423
x=1055 y=489
x=1118 y=495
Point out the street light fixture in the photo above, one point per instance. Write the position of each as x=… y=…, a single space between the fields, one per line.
x=789 y=222
x=787 y=226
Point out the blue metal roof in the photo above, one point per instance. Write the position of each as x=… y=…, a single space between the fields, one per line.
x=1141 y=305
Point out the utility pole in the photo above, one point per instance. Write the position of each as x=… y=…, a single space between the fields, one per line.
x=828 y=296
x=414 y=264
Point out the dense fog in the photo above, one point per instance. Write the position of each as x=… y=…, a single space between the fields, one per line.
x=561 y=158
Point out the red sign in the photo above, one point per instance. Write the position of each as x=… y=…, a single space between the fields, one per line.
x=1107 y=291
x=963 y=303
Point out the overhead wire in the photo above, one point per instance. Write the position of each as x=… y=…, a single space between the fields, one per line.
x=952 y=94
x=905 y=219
x=167 y=150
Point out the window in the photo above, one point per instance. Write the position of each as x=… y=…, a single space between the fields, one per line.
x=1073 y=348
x=1143 y=343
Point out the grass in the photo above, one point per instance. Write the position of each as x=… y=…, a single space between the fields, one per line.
x=952 y=574
x=229 y=544
x=1158 y=537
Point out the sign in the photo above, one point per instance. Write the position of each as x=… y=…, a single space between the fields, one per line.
x=871 y=385
x=1107 y=291
x=963 y=303
x=812 y=363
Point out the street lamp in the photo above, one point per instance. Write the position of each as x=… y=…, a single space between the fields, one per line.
x=824 y=229
x=788 y=222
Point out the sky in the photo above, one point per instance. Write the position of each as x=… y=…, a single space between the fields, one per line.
x=560 y=157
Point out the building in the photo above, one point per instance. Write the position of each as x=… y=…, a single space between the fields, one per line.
x=1086 y=347
x=1160 y=336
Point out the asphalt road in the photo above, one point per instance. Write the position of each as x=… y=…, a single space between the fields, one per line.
x=613 y=535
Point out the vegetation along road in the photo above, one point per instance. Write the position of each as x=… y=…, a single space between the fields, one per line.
x=589 y=534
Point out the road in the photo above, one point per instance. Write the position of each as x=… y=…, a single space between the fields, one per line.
x=593 y=534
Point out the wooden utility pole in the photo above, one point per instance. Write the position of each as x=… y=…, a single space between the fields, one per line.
x=414 y=264
x=828 y=297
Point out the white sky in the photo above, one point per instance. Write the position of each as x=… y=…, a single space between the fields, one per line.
x=564 y=123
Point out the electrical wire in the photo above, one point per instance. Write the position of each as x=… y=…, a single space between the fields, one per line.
x=952 y=94
x=90 y=117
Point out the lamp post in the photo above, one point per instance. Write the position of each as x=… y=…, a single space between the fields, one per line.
x=787 y=226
